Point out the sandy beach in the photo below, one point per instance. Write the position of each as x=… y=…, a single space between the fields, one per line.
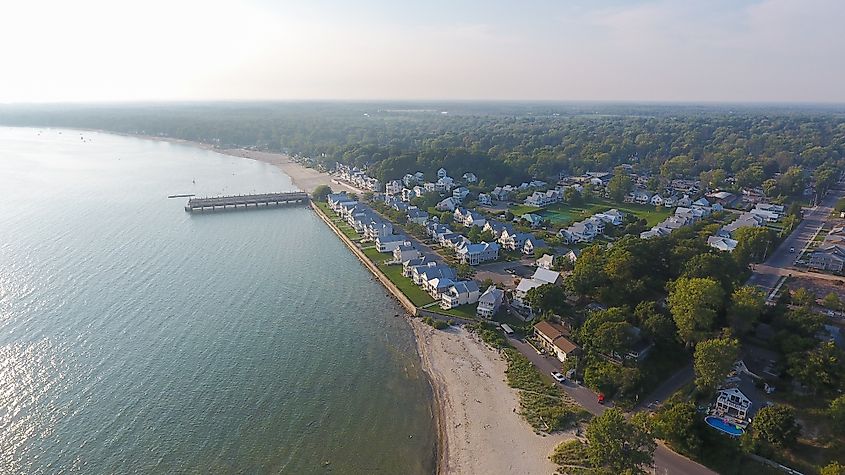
x=480 y=431
x=305 y=178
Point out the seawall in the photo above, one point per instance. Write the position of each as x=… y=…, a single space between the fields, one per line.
x=403 y=300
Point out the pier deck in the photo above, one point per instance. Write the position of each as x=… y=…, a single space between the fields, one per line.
x=246 y=201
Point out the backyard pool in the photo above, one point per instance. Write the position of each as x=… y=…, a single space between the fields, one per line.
x=724 y=426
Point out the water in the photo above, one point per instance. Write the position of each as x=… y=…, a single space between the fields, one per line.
x=138 y=338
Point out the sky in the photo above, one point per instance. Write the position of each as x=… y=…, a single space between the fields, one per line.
x=649 y=50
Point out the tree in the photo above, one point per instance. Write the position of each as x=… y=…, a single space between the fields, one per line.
x=819 y=369
x=836 y=412
x=776 y=425
x=619 y=186
x=547 y=297
x=747 y=304
x=694 y=303
x=833 y=468
x=612 y=338
x=752 y=244
x=321 y=192
x=713 y=361
x=832 y=301
x=617 y=445
x=803 y=298
x=676 y=423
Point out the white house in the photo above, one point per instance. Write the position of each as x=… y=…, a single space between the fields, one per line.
x=532 y=244
x=656 y=200
x=405 y=253
x=393 y=187
x=489 y=302
x=391 y=242
x=512 y=240
x=546 y=261
x=448 y=204
x=722 y=243
x=541 y=277
x=474 y=254
x=732 y=402
x=464 y=292
x=441 y=173
x=460 y=193
x=470 y=177
x=473 y=218
x=484 y=199
x=444 y=184
x=611 y=216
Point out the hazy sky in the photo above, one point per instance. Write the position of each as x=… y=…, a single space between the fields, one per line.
x=690 y=50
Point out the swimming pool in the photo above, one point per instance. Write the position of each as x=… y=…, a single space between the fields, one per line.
x=724 y=426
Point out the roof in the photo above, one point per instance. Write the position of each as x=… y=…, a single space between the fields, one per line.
x=527 y=284
x=492 y=295
x=565 y=345
x=546 y=276
x=551 y=330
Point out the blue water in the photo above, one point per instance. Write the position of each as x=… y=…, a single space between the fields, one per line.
x=720 y=424
x=138 y=338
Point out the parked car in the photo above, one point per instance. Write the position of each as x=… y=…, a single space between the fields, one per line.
x=792 y=249
x=601 y=398
x=558 y=377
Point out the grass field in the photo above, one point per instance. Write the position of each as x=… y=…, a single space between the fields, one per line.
x=565 y=214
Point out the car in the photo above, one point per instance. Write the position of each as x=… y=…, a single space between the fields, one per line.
x=558 y=377
x=792 y=249
x=601 y=398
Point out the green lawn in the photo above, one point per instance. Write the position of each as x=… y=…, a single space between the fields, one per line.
x=464 y=311
x=417 y=295
x=564 y=214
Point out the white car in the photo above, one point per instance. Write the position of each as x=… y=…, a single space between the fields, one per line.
x=558 y=377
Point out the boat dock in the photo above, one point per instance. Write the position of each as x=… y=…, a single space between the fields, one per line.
x=246 y=201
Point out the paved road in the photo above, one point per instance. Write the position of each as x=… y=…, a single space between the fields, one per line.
x=667 y=388
x=779 y=263
x=666 y=462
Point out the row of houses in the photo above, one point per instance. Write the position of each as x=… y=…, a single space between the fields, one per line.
x=506 y=192
x=357 y=177
x=655 y=199
x=587 y=230
x=683 y=216
x=762 y=213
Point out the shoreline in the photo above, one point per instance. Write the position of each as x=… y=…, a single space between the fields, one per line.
x=478 y=428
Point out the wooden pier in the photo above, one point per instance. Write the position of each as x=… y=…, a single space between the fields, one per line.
x=246 y=201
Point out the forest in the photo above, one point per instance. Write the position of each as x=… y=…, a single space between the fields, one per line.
x=726 y=145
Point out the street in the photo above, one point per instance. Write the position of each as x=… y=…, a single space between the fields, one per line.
x=779 y=263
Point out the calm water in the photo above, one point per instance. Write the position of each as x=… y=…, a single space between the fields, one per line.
x=137 y=338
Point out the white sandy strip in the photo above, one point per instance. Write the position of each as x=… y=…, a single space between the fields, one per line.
x=305 y=178
x=480 y=431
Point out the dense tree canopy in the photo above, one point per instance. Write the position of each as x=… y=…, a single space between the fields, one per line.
x=617 y=445
x=694 y=303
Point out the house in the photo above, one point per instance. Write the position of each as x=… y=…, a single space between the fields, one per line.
x=416 y=215
x=448 y=204
x=512 y=240
x=684 y=201
x=464 y=292
x=828 y=257
x=554 y=338
x=670 y=201
x=502 y=193
x=405 y=252
x=489 y=302
x=460 y=214
x=473 y=218
x=497 y=228
x=460 y=193
x=641 y=197
x=484 y=199
x=572 y=255
x=470 y=177
x=474 y=254
x=391 y=242
x=393 y=187
x=722 y=243
x=583 y=231
x=656 y=200
x=547 y=276
x=334 y=200
x=433 y=271
x=611 y=216
x=640 y=346
x=546 y=262
x=408 y=265
x=444 y=184
x=533 y=220
x=532 y=244
x=769 y=215
x=409 y=180
x=733 y=402
x=723 y=198
x=408 y=194
x=441 y=173
x=522 y=289
x=437 y=286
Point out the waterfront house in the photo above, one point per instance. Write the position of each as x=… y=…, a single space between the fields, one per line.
x=464 y=292
x=489 y=302
x=435 y=271
x=437 y=286
x=405 y=253
x=391 y=242
x=474 y=254
x=554 y=338
x=407 y=266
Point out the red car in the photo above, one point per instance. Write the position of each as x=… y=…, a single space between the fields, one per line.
x=601 y=398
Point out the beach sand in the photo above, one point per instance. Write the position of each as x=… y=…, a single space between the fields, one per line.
x=305 y=178
x=480 y=431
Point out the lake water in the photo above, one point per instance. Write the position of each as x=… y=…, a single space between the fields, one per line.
x=138 y=338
